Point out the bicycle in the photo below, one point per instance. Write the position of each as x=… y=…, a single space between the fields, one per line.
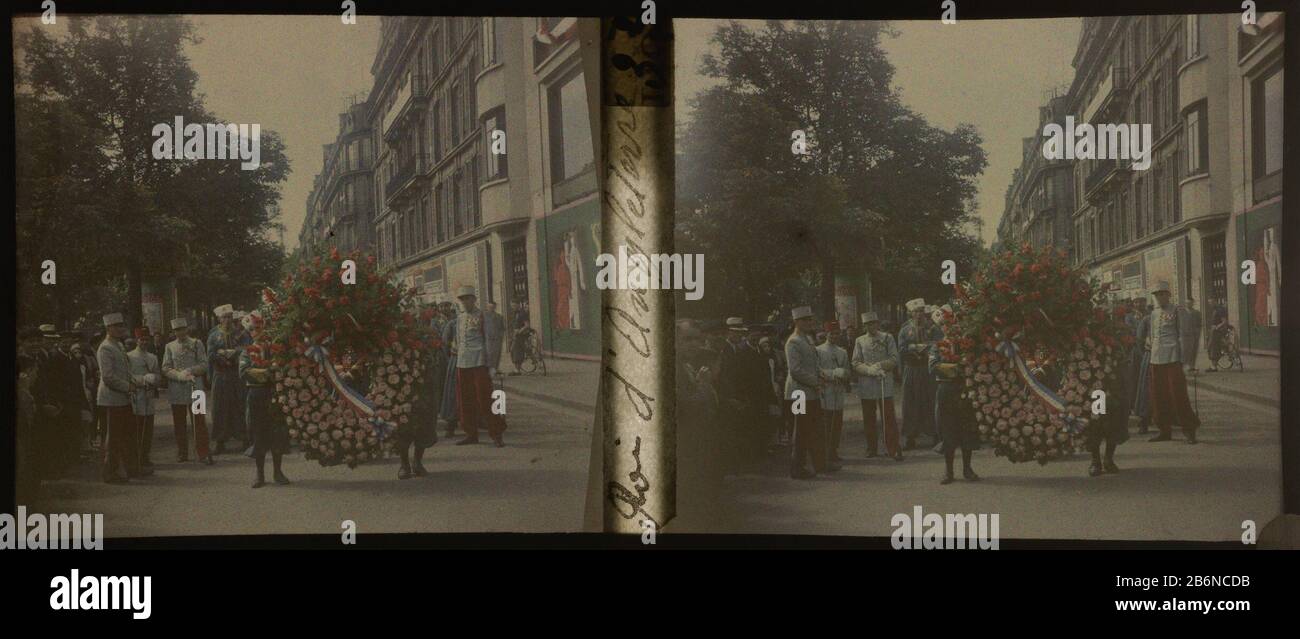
x=533 y=359
x=1229 y=355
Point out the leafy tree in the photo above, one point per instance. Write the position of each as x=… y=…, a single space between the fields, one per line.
x=91 y=194
x=879 y=191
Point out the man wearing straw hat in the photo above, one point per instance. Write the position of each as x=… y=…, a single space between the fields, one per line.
x=804 y=377
x=185 y=363
x=1169 y=403
x=875 y=357
x=114 y=394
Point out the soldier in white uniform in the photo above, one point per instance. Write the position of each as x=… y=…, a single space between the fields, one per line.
x=834 y=364
x=144 y=364
x=875 y=357
x=185 y=364
x=1169 y=403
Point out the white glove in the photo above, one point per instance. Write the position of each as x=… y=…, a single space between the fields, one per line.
x=150 y=379
x=838 y=374
x=874 y=370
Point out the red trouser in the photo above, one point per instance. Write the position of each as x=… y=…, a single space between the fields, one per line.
x=1169 y=403
x=474 y=400
x=121 y=447
x=808 y=438
x=891 y=426
x=180 y=413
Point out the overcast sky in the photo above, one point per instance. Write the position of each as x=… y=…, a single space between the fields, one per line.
x=989 y=73
x=290 y=74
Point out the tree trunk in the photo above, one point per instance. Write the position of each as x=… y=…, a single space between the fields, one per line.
x=828 y=287
x=134 y=300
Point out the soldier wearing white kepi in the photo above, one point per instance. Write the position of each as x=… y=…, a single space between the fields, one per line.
x=144 y=364
x=914 y=341
x=834 y=365
x=185 y=364
x=804 y=376
x=115 y=387
x=875 y=357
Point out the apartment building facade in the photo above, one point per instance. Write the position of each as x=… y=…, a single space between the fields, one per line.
x=1039 y=201
x=341 y=204
x=1211 y=88
x=485 y=172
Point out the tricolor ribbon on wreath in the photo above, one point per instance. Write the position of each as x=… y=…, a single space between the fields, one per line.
x=1053 y=401
x=320 y=355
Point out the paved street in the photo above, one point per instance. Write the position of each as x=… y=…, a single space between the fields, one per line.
x=537 y=483
x=1165 y=490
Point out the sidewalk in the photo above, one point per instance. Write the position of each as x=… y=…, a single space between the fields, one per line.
x=1261 y=381
x=570 y=383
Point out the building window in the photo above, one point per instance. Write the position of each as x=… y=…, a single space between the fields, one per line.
x=570 y=129
x=491 y=48
x=1198 y=148
x=435 y=125
x=1157 y=114
x=435 y=60
x=1139 y=210
x=453 y=117
x=471 y=96
x=471 y=196
x=457 y=205
x=440 y=214
x=497 y=168
x=1266 y=134
x=1192 y=28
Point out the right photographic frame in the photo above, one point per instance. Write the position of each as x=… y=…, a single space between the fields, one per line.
x=1020 y=277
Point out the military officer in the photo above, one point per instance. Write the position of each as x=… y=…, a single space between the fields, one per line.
x=470 y=337
x=1169 y=403
x=914 y=341
x=875 y=358
x=833 y=361
x=144 y=364
x=116 y=384
x=803 y=385
x=185 y=364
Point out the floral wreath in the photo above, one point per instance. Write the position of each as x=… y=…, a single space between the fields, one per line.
x=1034 y=342
x=346 y=352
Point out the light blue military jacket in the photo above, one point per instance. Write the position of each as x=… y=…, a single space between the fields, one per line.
x=115 y=379
x=802 y=364
x=834 y=364
x=869 y=351
x=178 y=358
x=1165 y=329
